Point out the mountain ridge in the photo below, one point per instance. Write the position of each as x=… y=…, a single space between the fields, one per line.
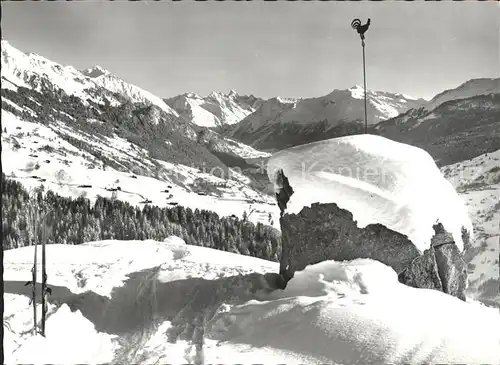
x=278 y=124
x=58 y=126
x=469 y=88
x=214 y=110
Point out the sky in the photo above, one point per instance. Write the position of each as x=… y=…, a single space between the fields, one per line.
x=290 y=49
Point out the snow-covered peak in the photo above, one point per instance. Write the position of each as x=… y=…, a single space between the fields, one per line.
x=95 y=71
x=8 y=49
x=384 y=105
x=409 y=97
x=34 y=71
x=192 y=95
x=216 y=109
x=357 y=92
x=218 y=95
x=190 y=107
x=376 y=179
x=118 y=85
x=286 y=100
x=284 y=122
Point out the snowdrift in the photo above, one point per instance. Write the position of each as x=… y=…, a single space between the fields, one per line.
x=376 y=179
x=167 y=302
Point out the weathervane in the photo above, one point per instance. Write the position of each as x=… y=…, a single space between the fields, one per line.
x=361 y=29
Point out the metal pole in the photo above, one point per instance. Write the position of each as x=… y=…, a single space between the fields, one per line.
x=361 y=29
x=33 y=217
x=35 y=327
x=45 y=290
x=44 y=237
x=364 y=80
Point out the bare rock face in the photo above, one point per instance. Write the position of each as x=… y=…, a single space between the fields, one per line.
x=441 y=267
x=422 y=273
x=327 y=232
x=285 y=191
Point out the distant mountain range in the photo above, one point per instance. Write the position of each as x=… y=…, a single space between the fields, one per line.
x=456 y=125
x=220 y=129
x=469 y=89
x=215 y=110
x=280 y=123
x=98 y=102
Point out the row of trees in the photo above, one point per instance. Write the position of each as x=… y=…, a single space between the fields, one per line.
x=74 y=221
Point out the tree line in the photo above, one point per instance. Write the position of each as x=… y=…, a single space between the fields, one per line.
x=75 y=221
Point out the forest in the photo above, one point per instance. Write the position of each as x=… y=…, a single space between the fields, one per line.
x=29 y=216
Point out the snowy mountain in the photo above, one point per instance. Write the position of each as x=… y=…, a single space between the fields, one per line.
x=280 y=123
x=77 y=164
x=144 y=302
x=90 y=133
x=216 y=109
x=36 y=72
x=457 y=125
x=93 y=88
x=466 y=90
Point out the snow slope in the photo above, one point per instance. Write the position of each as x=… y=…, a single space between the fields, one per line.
x=388 y=105
x=376 y=179
x=33 y=71
x=215 y=110
x=243 y=150
x=167 y=302
x=190 y=106
x=35 y=155
x=478 y=183
x=457 y=125
x=468 y=89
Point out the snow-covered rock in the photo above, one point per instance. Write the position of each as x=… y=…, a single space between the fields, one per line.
x=378 y=181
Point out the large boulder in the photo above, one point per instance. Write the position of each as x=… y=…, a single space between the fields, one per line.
x=440 y=267
x=327 y=232
x=377 y=180
x=366 y=196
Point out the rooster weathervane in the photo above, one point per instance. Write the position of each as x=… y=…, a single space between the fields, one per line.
x=360 y=28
